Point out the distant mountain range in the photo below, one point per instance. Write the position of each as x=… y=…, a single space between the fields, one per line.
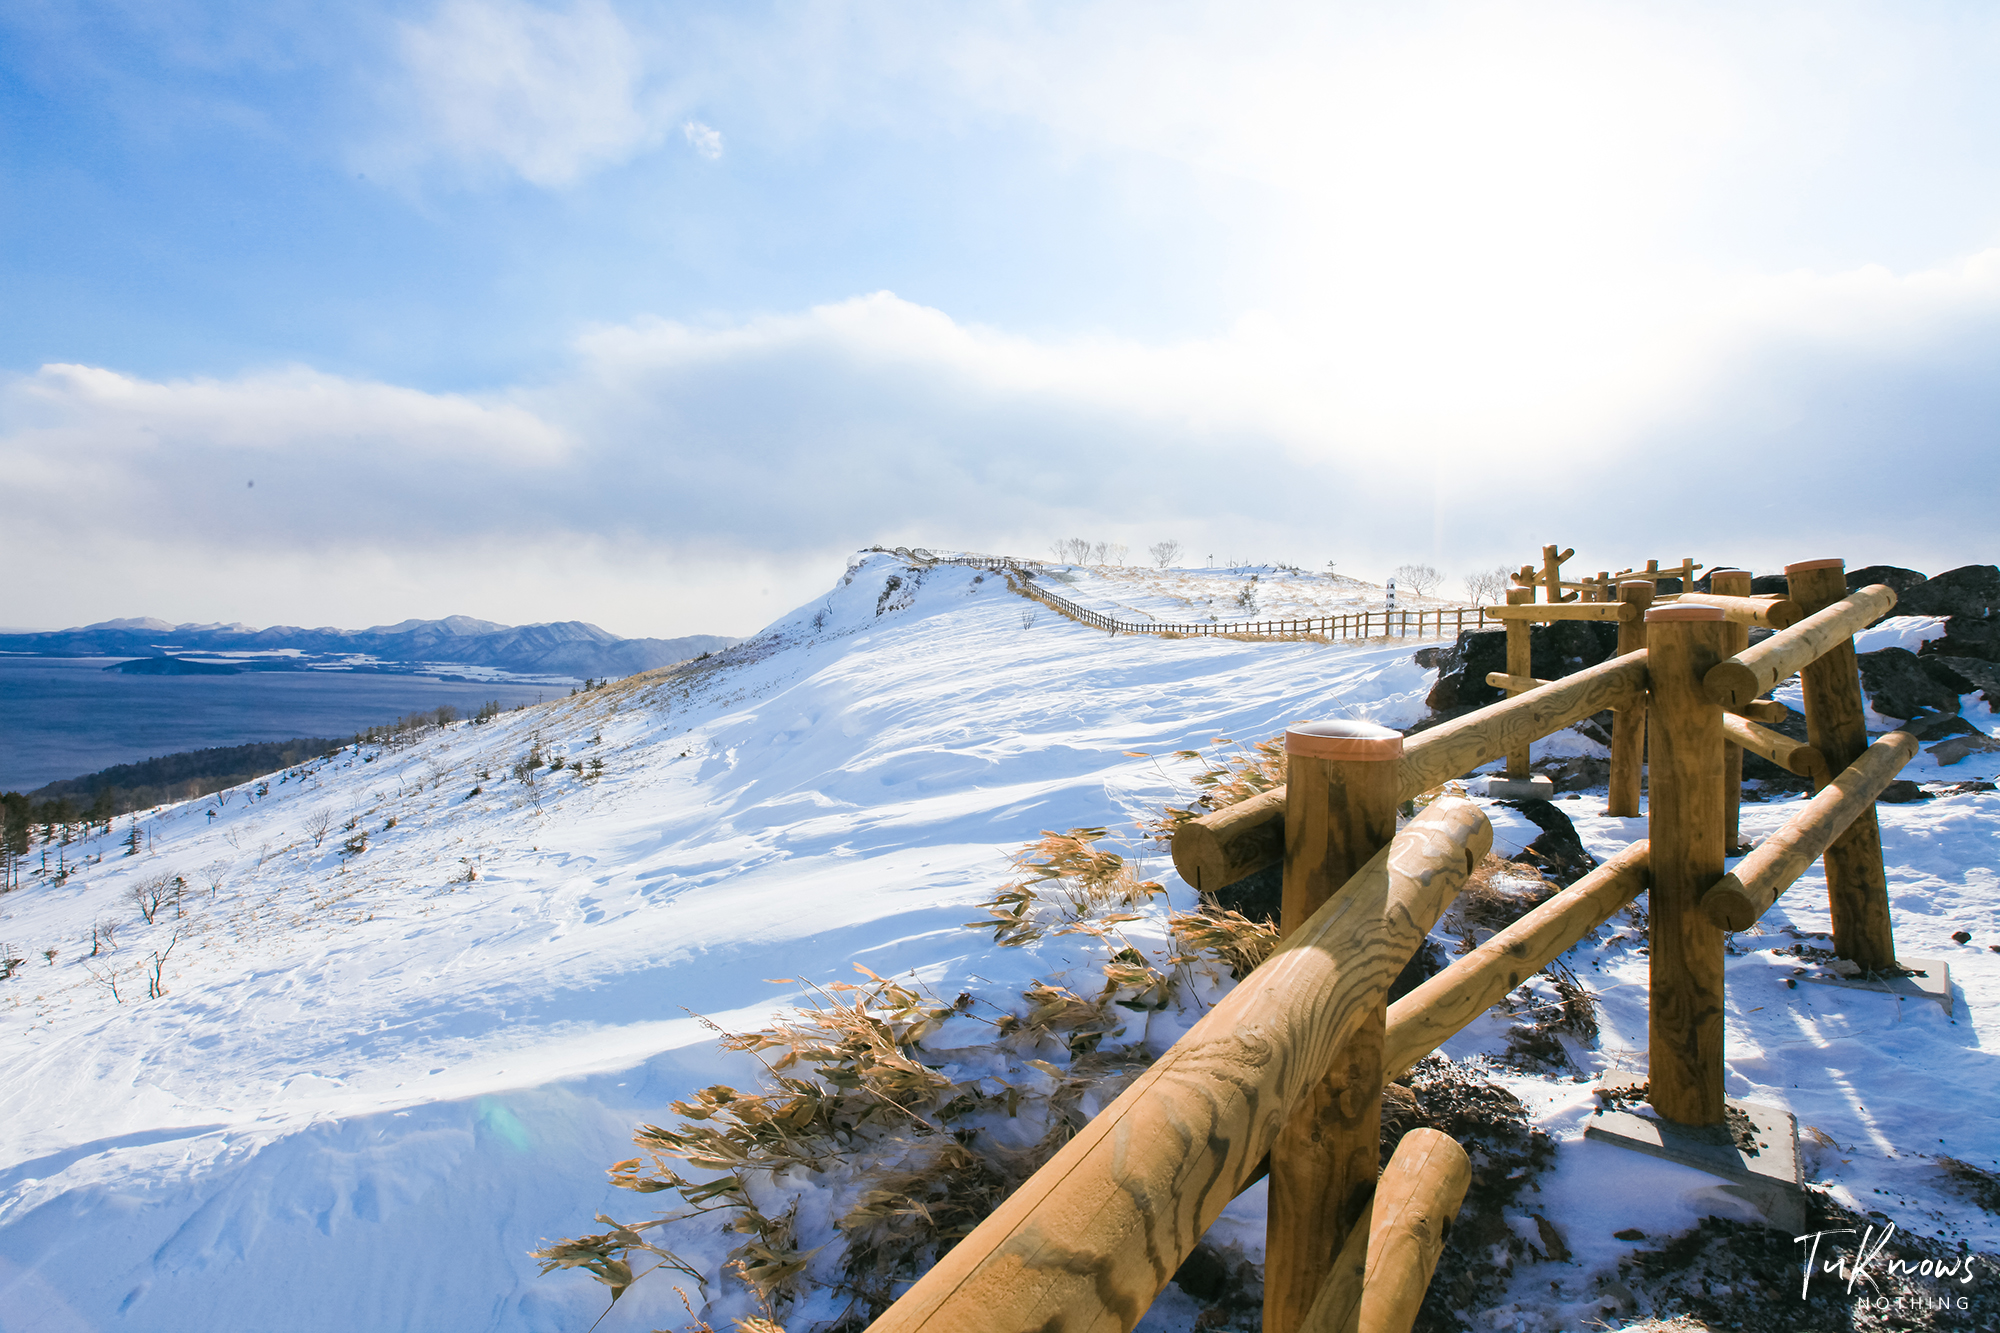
x=562 y=648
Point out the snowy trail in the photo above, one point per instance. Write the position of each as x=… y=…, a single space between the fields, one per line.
x=373 y=1084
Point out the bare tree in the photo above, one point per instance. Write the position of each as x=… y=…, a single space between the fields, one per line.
x=1164 y=553
x=1487 y=586
x=1419 y=579
x=1116 y=551
x=154 y=894
x=1071 y=550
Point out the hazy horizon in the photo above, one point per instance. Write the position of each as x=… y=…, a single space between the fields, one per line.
x=651 y=316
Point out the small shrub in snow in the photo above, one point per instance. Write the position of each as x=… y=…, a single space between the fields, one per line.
x=906 y=1148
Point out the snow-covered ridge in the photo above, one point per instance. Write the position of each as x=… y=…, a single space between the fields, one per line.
x=388 y=1073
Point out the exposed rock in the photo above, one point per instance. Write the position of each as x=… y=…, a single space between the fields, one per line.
x=1968 y=636
x=1902 y=580
x=1937 y=726
x=1577 y=773
x=1777 y=583
x=1554 y=651
x=1955 y=749
x=1902 y=792
x=1558 y=853
x=1969 y=590
x=1964 y=674
x=1462 y=668
x=1897 y=686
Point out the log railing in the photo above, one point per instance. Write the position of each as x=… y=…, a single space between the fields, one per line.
x=1287 y=1070
x=1430 y=622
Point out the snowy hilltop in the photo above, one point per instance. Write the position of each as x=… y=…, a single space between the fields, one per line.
x=338 y=1048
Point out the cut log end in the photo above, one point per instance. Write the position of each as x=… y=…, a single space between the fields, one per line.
x=1728 y=905
x=1731 y=684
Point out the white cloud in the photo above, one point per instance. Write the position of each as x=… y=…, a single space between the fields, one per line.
x=683 y=478
x=706 y=139
x=547 y=94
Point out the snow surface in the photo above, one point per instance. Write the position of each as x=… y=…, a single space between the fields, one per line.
x=374 y=1084
x=1246 y=592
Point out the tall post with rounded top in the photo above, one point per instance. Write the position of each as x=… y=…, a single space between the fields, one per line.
x=1340 y=809
x=1836 y=725
x=1732 y=583
x=1520 y=662
x=1684 y=1039
x=1628 y=724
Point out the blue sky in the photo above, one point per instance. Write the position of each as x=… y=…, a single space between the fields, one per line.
x=649 y=314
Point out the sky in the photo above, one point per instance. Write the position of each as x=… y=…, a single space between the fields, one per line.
x=650 y=315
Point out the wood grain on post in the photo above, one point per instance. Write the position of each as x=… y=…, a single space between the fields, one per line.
x=1340 y=810
x=1628 y=724
x=1684 y=1019
x=1520 y=662
x=1434 y=1012
x=1741 y=678
x=1733 y=586
x=1422 y=1189
x=1552 y=573
x=1743 y=895
x=1089 y=1240
x=1857 y=888
x=1415 y=1205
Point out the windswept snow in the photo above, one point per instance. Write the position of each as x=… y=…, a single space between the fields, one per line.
x=376 y=1081
x=1243 y=592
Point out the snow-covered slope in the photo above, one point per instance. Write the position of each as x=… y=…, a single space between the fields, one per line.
x=377 y=1079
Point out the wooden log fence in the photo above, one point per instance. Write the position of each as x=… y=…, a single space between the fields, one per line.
x=1429 y=622
x=1089 y=1240
x=1288 y=1068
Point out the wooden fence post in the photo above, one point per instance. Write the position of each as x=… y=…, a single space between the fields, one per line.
x=1856 y=886
x=1684 y=1025
x=1520 y=662
x=1628 y=725
x=1732 y=583
x=1340 y=810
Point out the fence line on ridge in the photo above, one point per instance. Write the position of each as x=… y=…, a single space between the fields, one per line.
x=1421 y=623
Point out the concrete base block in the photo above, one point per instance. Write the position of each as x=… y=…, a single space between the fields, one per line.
x=1932 y=982
x=1766 y=1176
x=1537 y=788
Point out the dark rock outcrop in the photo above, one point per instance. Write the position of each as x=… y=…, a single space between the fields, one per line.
x=1898 y=686
x=1968 y=636
x=1558 y=853
x=1902 y=580
x=1964 y=674
x=1554 y=651
x=1937 y=726
x=1969 y=590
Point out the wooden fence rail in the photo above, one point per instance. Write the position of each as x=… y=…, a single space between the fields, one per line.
x=1091 y=1238
x=1420 y=623
x=1288 y=1068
